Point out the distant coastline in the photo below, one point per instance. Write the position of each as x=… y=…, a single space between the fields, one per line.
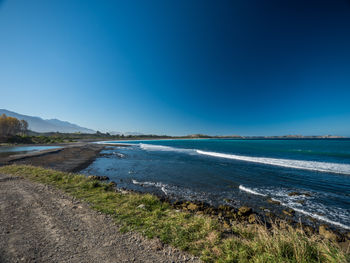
x=271 y=137
x=152 y=137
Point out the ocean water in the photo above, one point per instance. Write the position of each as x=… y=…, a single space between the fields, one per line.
x=239 y=172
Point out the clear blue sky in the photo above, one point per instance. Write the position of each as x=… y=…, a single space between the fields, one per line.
x=179 y=67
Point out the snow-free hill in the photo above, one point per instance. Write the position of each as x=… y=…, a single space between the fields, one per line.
x=53 y=125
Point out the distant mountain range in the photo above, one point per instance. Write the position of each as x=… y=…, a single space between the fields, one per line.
x=53 y=125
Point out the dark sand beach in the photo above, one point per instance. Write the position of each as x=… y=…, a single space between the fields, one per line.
x=69 y=158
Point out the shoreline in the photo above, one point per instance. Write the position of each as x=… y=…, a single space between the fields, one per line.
x=72 y=157
x=120 y=140
x=269 y=207
x=229 y=211
x=76 y=157
x=199 y=234
x=228 y=214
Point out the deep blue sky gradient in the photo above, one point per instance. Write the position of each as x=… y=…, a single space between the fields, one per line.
x=180 y=67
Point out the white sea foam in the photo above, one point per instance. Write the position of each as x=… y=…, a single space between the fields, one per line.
x=297 y=164
x=157 y=184
x=120 y=155
x=153 y=147
x=176 y=191
x=289 y=163
x=319 y=217
x=291 y=204
x=248 y=190
x=115 y=143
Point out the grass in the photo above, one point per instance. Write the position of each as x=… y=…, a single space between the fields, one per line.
x=200 y=235
x=41 y=139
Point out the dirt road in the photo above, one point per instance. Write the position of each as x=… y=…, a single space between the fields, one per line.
x=41 y=224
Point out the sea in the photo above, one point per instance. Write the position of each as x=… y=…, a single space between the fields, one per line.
x=310 y=176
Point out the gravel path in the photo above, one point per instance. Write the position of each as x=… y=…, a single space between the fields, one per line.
x=39 y=223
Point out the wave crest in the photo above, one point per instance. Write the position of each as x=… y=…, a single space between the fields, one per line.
x=158 y=185
x=289 y=163
x=290 y=205
x=153 y=147
x=248 y=190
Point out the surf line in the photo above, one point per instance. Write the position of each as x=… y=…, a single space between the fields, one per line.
x=289 y=163
x=319 y=217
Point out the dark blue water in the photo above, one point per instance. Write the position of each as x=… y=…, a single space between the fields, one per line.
x=239 y=172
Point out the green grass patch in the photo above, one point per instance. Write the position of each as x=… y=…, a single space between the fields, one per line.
x=200 y=235
x=39 y=139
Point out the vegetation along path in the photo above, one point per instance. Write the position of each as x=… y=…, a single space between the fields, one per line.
x=39 y=223
x=52 y=216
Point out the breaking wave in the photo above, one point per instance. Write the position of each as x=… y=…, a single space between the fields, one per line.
x=248 y=190
x=297 y=164
x=120 y=143
x=180 y=193
x=152 y=147
x=158 y=185
x=339 y=168
x=291 y=204
x=319 y=217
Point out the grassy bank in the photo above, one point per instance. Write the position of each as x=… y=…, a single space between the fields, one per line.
x=40 y=139
x=200 y=235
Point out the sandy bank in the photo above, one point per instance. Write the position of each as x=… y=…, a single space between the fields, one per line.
x=69 y=158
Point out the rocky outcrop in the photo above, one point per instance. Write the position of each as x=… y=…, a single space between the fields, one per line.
x=244 y=211
x=275 y=202
x=192 y=207
x=98 y=178
x=294 y=194
x=112 y=184
x=229 y=216
x=252 y=219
